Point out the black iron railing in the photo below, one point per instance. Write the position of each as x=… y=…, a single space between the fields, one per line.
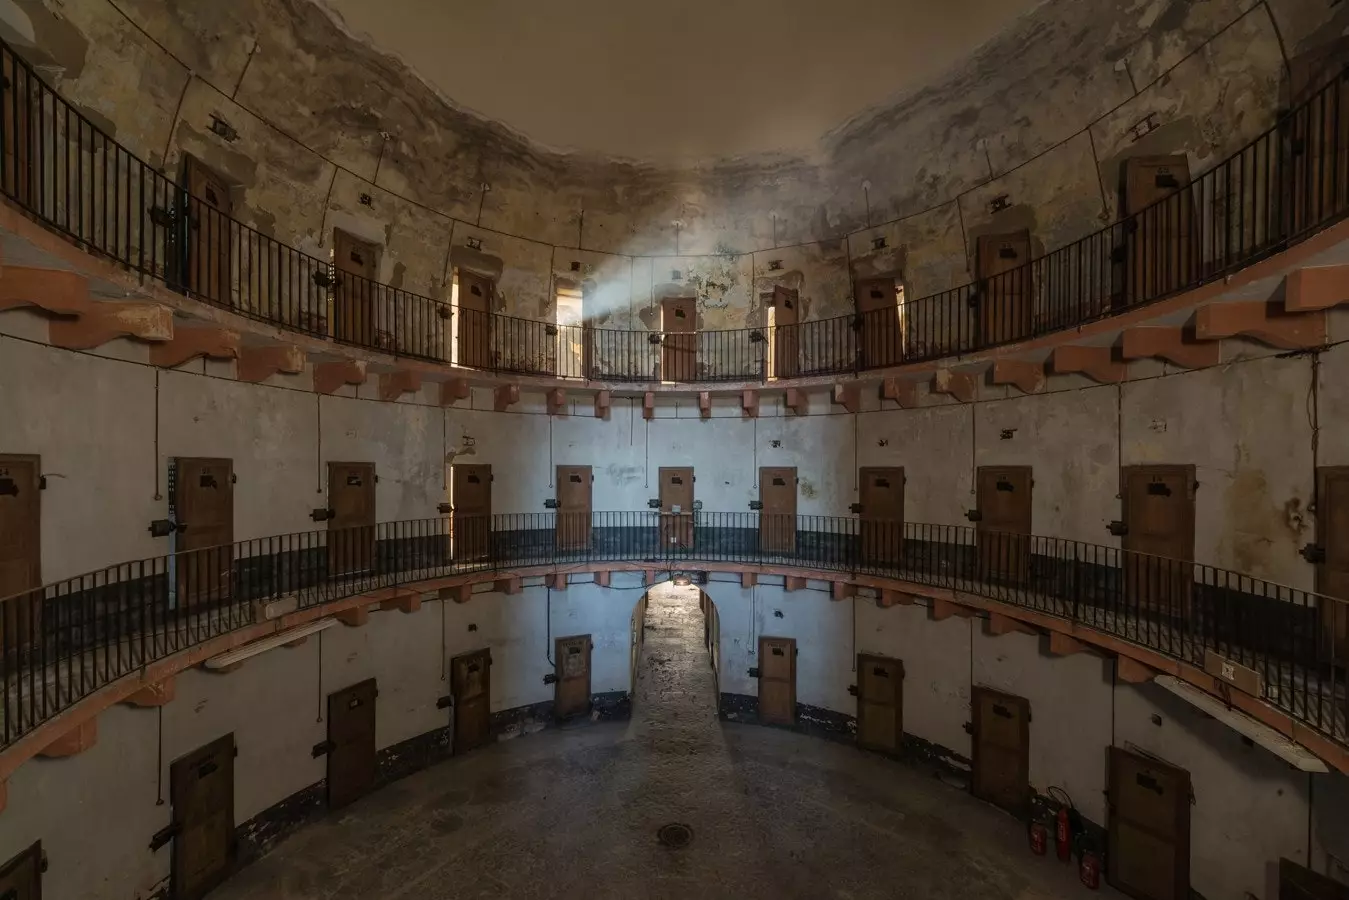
x=62 y=642
x=1287 y=183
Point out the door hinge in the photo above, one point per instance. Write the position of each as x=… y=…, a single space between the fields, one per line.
x=323 y=748
x=855 y=508
x=969 y=727
x=1314 y=553
x=852 y=689
x=550 y=678
x=444 y=509
x=445 y=702
x=1118 y=528
x=552 y=504
x=321 y=515
x=166 y=527
x=974 y=515
x=653 y=503
x=164 y=835
x=754 y=672
x=756 y=504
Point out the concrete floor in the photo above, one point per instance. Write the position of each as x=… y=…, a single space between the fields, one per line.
x=574 y=812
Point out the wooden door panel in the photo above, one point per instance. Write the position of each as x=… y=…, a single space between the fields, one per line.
x=201 y=789
x=210 y=233
x=21 y=877
x=1332 y=573
x=20 y=551
x=679 y=346
x=1001 y=749
x=574 y=486
x=356 y=314
x=471 y=523
x=881 y=340
x=204 y=505
x=1002 y=533
x=777 y=518
x=1149 y=828
x=1006 y=287
x=471 y=686
x=676 y=507
x=1300 y=883
x=476 y=293
x=572 y=690
x=1159 y=512
x=777 y=680
x=786 y=333
x=1161 y=240
x=351 y=529
x=881 y=523
x=880 y=703
x=351 y=737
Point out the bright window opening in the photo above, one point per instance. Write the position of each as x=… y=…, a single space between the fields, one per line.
x=769 y=337
x=454 y=317
x=570 y=334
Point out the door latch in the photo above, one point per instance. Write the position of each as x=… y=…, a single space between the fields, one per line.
x=550 y=678
x=1118 y=528
x=969 y=727
x=164 y=835
x=855 y=508
x=552 y=504
x=165 y=527
x=322 y=515
x=444 y=509
x=445 y=702
x=852 y=689
x=754 y=672
x=1314 y=553
x=323 y=748
x=974 y=515
x=756 y=504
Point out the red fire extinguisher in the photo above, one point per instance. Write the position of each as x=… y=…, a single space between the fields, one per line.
x=1063 y=830
x=1089 y=869
x=1039 y=838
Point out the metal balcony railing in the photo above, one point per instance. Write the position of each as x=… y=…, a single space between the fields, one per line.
x=62 y=642
x=1287 y=183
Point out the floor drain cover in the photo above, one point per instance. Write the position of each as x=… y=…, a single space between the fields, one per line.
x=675 y=835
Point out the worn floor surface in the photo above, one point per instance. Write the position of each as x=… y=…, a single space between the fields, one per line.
x=574 y=812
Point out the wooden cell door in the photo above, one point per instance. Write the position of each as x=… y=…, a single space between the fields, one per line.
x=1300 y=883
x=1162 y=252
x=203 y=500
x=475 y=320
x=574 y=487
x=777 y=680
x=880 y=703
x=351 y=743
x=351 y=523
x=881 y=342
x=777 y=514
x=356 y=291
x=679 y=346
x=209 y=232
x=676 y=507
x=21 y=877
x=571 y=691
x=471 y=687
x=1332 y=572
x=1001 y=746
x=1159 y=541
x=1149 y=828
x=1003 y=529
x=1006 y=287
x=201 y=789
x=881 y=526
x=786 y=333
x=20 y=552
x=471 y=521
x=18 y=178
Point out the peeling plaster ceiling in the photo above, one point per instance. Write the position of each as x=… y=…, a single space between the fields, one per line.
x=676 y=81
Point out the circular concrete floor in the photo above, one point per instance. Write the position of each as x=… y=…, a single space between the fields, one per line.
x=576 y=812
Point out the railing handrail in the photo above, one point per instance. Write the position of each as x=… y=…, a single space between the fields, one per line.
x=749 y=363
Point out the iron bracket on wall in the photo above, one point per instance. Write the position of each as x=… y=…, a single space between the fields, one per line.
x=653 y=503
x=444 y=509
x=164 y=835
x=552 y=503
x=756 y=504
x=753 y=672
x=550 y=678
x=974 y=515
x=654 y=339
x=855 y=508
x=165 y=527
x=323 y=748
x=1314 y=553
x=322 y=515
x=1118 y=528
x=445 y=702
x=852 y=689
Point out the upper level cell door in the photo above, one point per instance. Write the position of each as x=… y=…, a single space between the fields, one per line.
x=20 y=551
x=679 y=346
x=777 y=516
x=1162 y=246
x=676 y=507
x=881 y=514
x=1159 y=515
x=471 y=522
x=203 y=499
x=475 y=320
x=1003 y=531
x=574 y=487
x=1332 y=572
x=211 y=231
x=880 y=342
x=1006 y=287
x=351 y=525
x=786 y=333
x=356 y=312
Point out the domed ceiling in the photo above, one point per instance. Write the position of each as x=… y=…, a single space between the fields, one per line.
x=676 y=82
